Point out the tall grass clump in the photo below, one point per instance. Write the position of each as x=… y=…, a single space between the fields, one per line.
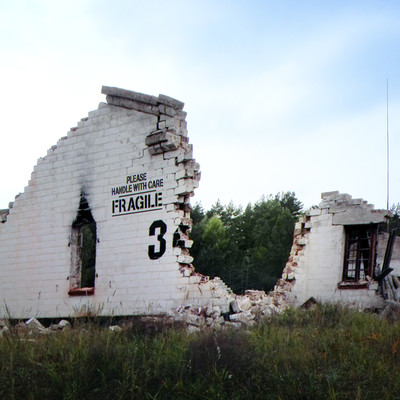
x=329 y=352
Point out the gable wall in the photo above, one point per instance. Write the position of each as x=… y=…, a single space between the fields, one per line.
x=100 y=154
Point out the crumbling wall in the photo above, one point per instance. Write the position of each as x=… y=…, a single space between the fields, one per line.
x=128 y=165
x=121 y=181
x=316 y=261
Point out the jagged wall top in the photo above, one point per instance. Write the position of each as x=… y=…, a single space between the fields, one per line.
x=348 y=211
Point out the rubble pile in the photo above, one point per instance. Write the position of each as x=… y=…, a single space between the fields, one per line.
x=244 y=311
x=32 y=327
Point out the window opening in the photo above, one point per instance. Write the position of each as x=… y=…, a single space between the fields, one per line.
x=83 y=251
x=359 y=257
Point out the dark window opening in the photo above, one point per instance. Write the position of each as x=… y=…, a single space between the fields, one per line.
x=83 y=251
x=359 y=256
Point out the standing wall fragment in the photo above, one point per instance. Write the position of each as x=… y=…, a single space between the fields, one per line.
x=131 y=165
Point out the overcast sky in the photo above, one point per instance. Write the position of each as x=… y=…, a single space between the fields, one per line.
x=280 y=95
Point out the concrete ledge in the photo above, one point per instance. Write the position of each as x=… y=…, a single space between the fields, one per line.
x=133 y=104
x=170 y=101
x=357 y=216
x=129 y=94
x=143 y=98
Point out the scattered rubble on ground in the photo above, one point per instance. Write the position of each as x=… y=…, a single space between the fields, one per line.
x=115 y=328
x=244 y=311
x=32 y=327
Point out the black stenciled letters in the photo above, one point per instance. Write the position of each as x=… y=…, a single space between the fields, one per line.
x=153 y=254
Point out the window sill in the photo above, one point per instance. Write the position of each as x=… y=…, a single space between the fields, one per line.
x=353 y=285
x=86 y=291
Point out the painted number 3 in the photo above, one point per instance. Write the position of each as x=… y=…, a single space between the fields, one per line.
x=153 y=254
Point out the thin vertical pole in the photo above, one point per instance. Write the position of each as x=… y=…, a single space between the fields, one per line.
x=387 y=142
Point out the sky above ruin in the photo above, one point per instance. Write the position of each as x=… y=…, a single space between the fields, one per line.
x=281 y=96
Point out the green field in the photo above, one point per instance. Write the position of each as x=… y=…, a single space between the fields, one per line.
x=326 y=353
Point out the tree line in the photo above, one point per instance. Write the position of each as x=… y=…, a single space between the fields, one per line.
x=247 y=248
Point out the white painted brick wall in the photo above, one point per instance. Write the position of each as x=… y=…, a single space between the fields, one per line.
x=35 y=256
x=320 y=266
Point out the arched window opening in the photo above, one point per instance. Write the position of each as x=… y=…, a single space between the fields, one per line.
x=83 y=251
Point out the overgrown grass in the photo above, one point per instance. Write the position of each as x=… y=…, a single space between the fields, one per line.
x=326 y=353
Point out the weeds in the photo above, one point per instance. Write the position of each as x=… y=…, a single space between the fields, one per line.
x=325 y=353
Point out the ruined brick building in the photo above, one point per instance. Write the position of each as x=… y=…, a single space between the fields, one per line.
x=103 y=228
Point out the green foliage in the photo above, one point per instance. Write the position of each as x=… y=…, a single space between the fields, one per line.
x=246 y=248
x=394 y=222
x=328 y=352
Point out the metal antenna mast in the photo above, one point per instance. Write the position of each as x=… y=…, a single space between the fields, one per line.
x=387 y=143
